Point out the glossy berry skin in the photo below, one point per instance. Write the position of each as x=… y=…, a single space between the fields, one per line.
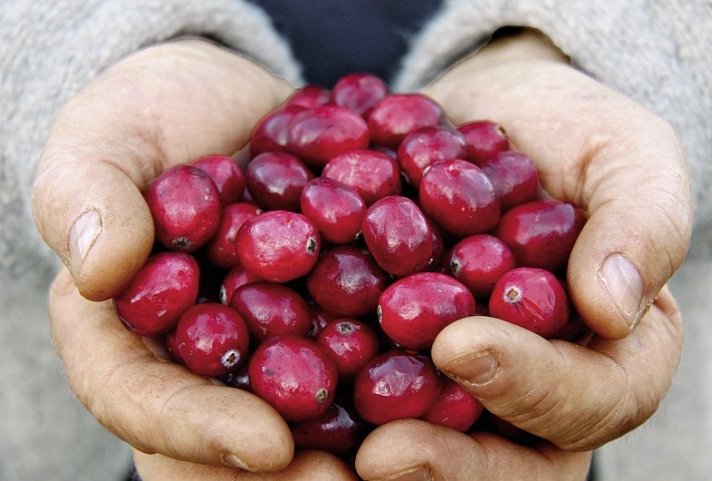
x=514 y=177
x=396 y=385
x=483 y=139
x=372 y=174
x=426 y=146
x=310 y=96
x=278 y=246
x=346 y=282
x=320 y=134
x=236 y=277
x=398 y=235
x=221 y=250
x=165 y=287
x=293 y=375
x=359 y=92
x=350 y=343
x=414 y=309
x=397 y=115
x=271 y=133
x=185 y=206
x=542 y=233
x=531 y=298
x=337 y=431
x=276 y=180
x=460 y=196
x=336 y=209
x=271 y=310
x=212 y=339
x=226 y=175
x=455 y=408
x=479 y=261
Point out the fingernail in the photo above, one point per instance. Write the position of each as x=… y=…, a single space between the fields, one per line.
x=625 y=286
x=235 y=462
x=474 y=369
x=419 y=473
x=84 y=233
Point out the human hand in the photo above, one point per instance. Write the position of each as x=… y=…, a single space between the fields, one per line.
x=622 y=164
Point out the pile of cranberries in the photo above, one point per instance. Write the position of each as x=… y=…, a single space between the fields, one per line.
x=318 y=275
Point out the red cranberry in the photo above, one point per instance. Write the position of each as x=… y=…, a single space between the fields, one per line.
x=165 y=287
x=347 y=282
x=310 y=96
x=226 y=175
x=212 y=339
x=221 y=250
x=514 y=177
x=426 y=146
x=483 y=139
x=435 y=262
x=318 y=135
x=337 y=431
x=236 y=277
x=479 y=261
x=398 y=235
x=373 y=174
x=531 y=298
x=396 y=385
x=336 y=209
x=542 y=233
x=271 y=310
x=455 y=408
x=359 y=92
x=350 y=343
x=278 y=246
x=271 y=132
x=171 y=344
x=276 y=180
x=185 y=205
x=294 y=375
x=460 y=196
x=397 y=115
x=320 y=319
x=414 y=309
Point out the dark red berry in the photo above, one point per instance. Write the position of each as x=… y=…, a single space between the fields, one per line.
x=359 y=92
x=236 y=277
x=310 y=96
x=350 y=343
x=272 y=131
x=172 y=347
x=239 y=379
x=336 y=209
x=483 y=139
x=337 y=431
x=455 y=408
x=320 y=319
x=426 y=146
x=397 y=115
x=165 y=287
x=276 y=180
x=531 y=298
x=222 y=250
x=514 y=177
x=414 y=309
x=479 y=261
x=226 y=175
x=294 y=375
x=372 y=174
x=212 y=339
x=185 y=205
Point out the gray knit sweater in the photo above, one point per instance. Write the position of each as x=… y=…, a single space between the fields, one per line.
x=657 y=52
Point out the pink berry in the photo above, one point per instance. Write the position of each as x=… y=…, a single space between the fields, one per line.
x=337 y=431
x=221 y=250
x=414 y=309
x=336 y=209
x=455 y=408
x=164 y=288
x=397 y=115
x=514 y=177
x=272 y=131
x=372 y=174
x=350 y=343
x=236 y=277
x=542 y=233
x=531 y=298
x=398 y=235
x=483 y=139
x=479 y=261
x=310 y=96
x=460 y=197
x=271 y=310
x=293 y=375
x=276 y=180
x=396 y=385
x=226 y=175
x=278 y=246
x=185 y=205
x=318 y=135
x=346 y=282
x=212 y=339
x=359 y=92
x=426 y=146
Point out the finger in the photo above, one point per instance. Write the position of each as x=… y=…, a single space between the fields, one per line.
x=164 y=105
x=429 y=452
x=307 y=465
x=158 y=406
x=598 y=150
x=575 y=397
